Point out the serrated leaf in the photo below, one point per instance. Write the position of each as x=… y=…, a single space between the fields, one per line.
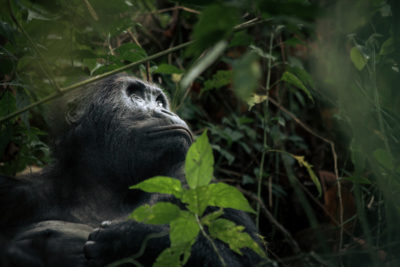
x=384 y=158
x=218 y=80
x=232 y=234
x=357 y=58
x=226 y=196
x=199 y=163
x=167 y=69
x=160 y=184
x=159 y=213
x=308 y=166
x=294 y=80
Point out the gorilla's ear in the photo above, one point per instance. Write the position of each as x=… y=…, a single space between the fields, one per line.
x=65 y=112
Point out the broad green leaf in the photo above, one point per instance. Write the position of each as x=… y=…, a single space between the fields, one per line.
x=357 y=58
x=197 y=199
x=199 y=163
x=294 y=80
x=169 y=257
x=357 y=180
x=159 y=213
x=308 y=166
x=232 y=234
x=246 y=75
x=184 y=229
x=167 y=69
x=226 y=196
x=160 y=184
x=384 y=158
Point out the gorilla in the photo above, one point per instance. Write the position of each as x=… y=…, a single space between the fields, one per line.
x=75 y=211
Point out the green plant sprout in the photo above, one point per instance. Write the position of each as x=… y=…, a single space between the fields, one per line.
x=186 y=225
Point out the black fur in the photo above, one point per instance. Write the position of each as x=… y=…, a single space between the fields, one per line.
x=115 y=134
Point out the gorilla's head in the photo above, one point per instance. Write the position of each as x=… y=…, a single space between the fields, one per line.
x=122 y=127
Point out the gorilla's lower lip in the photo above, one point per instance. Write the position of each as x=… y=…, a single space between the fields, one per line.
x=167 y=128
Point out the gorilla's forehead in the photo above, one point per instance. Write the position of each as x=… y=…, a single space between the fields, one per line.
x=127 y=80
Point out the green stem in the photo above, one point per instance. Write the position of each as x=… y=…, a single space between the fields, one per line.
x=260 y=175
x=221 y=259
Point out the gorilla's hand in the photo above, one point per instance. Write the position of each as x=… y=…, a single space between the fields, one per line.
x=117 y=240
x=59 y=242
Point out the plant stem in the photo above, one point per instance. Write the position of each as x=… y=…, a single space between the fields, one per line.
x=221 y=259
x=260 y=175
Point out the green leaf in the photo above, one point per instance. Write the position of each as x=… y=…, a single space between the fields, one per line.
x=357 y=180
x=167 y=69
x=256 y=99
x=384 y=158
x=131 y=52
x=227 y=196
x=357 y=58
x=160 y=184
x=218 y=80
x=159 y=213
x=234 y=236
x=308 y=166
x=169 y=257
x=387 y=47
x=184 y=229
x=294 y=80
x=209 y=218
x=246 y=75
x=197 y=199
x=199 y=163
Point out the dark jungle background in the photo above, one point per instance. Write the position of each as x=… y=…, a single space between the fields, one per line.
x=300 y=97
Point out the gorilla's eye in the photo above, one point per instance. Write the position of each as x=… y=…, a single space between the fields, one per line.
x=160 y=101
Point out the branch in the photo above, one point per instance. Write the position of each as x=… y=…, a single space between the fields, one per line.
x=72 y=87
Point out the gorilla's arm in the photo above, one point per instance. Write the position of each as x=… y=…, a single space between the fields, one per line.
x=48 y=243
x=118 y=240
x=20 y=199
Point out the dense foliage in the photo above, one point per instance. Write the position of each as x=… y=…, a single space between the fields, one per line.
x=299 y=97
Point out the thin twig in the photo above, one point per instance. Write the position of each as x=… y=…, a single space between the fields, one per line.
x=95 y=78
x=74 y=86
x=292 y=242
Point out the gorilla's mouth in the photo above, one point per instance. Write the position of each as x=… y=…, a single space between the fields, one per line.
x=177 y=129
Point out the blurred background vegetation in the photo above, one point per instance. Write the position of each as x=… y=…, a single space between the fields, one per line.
x=300 y=98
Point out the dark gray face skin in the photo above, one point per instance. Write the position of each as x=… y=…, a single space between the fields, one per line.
x=117 y=133
x=114 y=122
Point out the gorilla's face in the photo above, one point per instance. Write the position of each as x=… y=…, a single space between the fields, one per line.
x=126 y=124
